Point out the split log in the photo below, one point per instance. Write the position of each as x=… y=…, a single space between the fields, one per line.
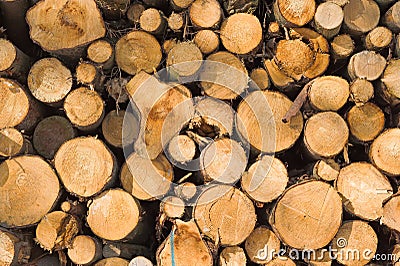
x=328 y=93
x=99 y=169
x=361 y=16
x=125 y=250
x=215 y=214
x=385 y=151
x=391 y=213
x=260 y=77
x=232 y=256
x=361 y=91
x=140 y=261
x=145 y=179
x=390 y=79
x=56 y=231
x=325 y=126
x=240 y=6
x=308 y=215
x=265 y=180
x=255 y=122
x=181 y=149
x=13 y=63
x=378 y=39
x=261 y=239
x=12 y=142
x=184 y=59
x=29 y=189
x=355 y=235
x=207 y=41
x=134 y=12
x=102 y=53
x=113 y=214
x=50 y=134
x=89 y=75
x=84 y=108
x=294 y=13
x=134 y=46
x=363 y=189
x=213 y=118
x=120 y=128
x=184 y=246
x=172 y=207
x=365 y=122
x=112 y=262
x=327 y=170
x=392 y=18
x=328 y=19
x=230 y=83
x=186 y=191
x=250 y=33
x=205 y=13
x=223 y=160
x=113 y=9
x=14 y=249
x=176 y=21
x=49 y=81
x=179 y=5
x=85 y=250
x=342 y=46
x=64 y=28
x=153 y=21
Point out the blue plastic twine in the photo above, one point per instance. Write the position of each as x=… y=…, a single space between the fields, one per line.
x=171 y=240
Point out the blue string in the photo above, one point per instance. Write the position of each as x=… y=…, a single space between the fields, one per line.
x=171 y=240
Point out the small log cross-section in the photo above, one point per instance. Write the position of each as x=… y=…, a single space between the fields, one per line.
x=342 y=46
x=255 y=126
x=328 y=19
x=181 y=149
x=120 y=128
x=385 y=152
x=355 y=235
x=329 y=93
x=265 y=180
x=378 y=38
x=230 y=83
x=231 y=256
x=102 y=53
x=223 y=160
x=84 y=108
x=205 y=13
x=49 y=81
x=153 y=21
x=325 y=134
x=207 y=41
x=85 y=250
x=56 y=230
x=361 y=16
x=184 y=246
x=260 y=238
x=361 y=91
x=113 y=215
x=133 y=47
x=29 y=188
x=363 y=189
x=294 y=13
x=308 y=215
x=241 y=33
x=65 y=27
x=215 y=214
x=366 y=65
x=184 y=59
x=13 y=62
x=85 y=166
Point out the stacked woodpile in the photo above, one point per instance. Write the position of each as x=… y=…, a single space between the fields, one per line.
x=199 y=132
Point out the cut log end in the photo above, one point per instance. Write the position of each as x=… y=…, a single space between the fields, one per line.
x=329 y=93
x=172 y=207
x=50 y=134
x=120 y=128
x=134 y=12
x=101 y=52
x=391 y=77
x=260 y=78
x=361 y=16
x=378 y=38
x=112 y=262
x=323 y=126
x=328 y=19
x=99 y=166
x=86 y=73
x=153 y=21
x=294 y=229
x=84 y=250
x=260 y=238
x=176 y=21
x=11 y=142
x=365 y=122
x=181 y=148
x=265 y=180
x=186 y=191
x=207 y=41
x=31 y=187
x=295 y=13
x=342 y=46
x=363 y=189
x=84 y=108
x=205 y=13
x=241 y=33
x=230 y=256
x=184 y=59
x=104 y=214
x=361 y=91
x=385 y=151
x=327 y=170
x=8 y=54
